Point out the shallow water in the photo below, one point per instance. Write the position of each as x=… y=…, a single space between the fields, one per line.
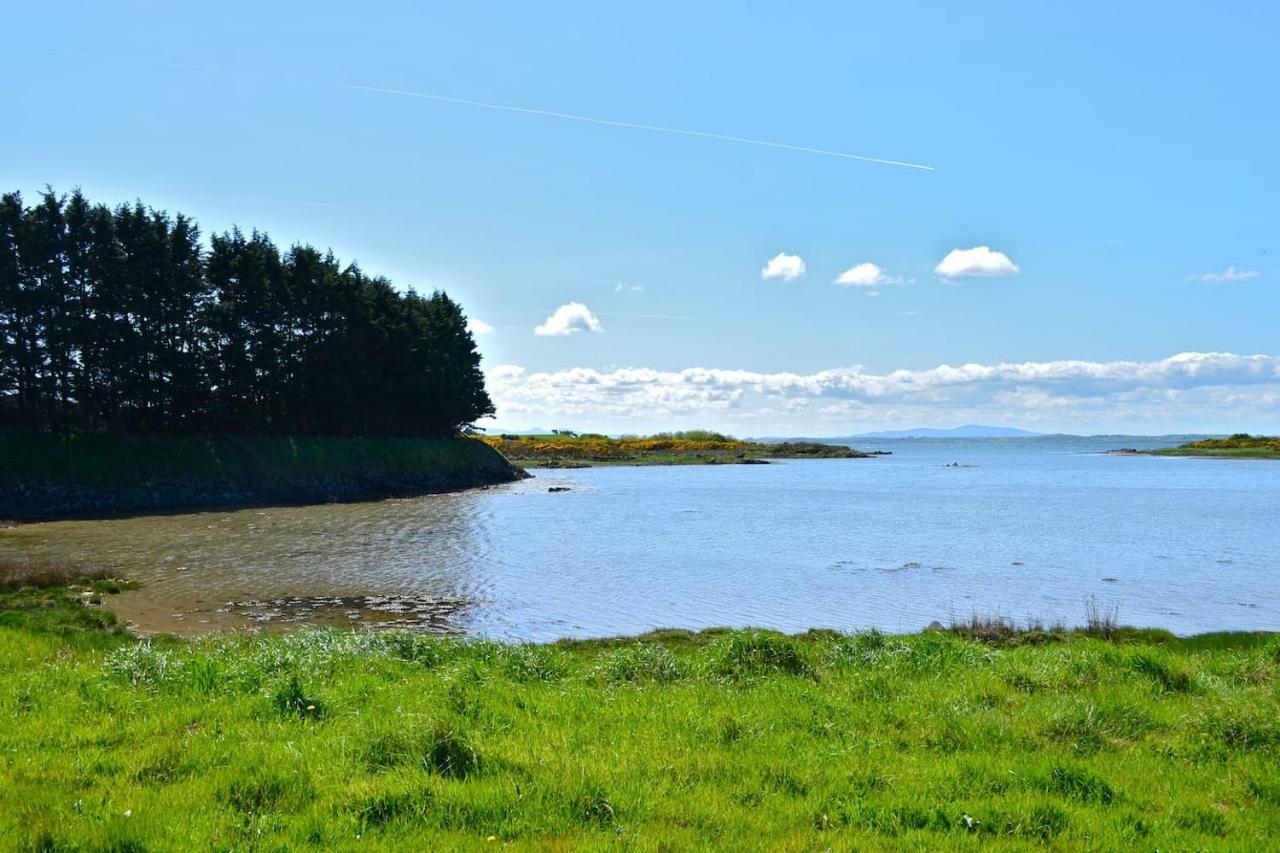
x=1022 y=529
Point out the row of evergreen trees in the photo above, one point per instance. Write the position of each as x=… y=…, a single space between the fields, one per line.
x=121 y=320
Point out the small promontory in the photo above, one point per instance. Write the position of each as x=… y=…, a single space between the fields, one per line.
x=1238 y=446
x=52 y=476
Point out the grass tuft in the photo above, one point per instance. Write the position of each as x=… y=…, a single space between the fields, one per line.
x=440 y=749
x=290 y=700
x=591 y=807
x=1101 y=620
x=752 y=655
x=264 y=791
x=449 y=753
x=642 y=663
x=1077 y=783
x=533 y=663
x=400 y=802
x=1241 y=727
x=1168 y=677
x=1088 y=727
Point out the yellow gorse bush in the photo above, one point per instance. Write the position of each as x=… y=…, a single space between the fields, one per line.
x=569 y=447
x=1240 y=441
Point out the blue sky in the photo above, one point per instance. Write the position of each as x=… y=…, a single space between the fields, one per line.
x=1115 y=154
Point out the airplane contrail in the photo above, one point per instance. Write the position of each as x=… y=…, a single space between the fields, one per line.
x=650 y=127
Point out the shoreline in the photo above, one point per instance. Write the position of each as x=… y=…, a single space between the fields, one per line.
x=445 y=619
x=13 y=522
x=1180 y=453
x=1242 y=445
x=652 y=462
x=55 y=478
x=73 y=586
x=588 y=451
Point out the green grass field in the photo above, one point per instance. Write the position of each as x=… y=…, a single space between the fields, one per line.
x=719 y=740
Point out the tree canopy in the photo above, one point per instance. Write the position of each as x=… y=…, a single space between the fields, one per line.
x=122 y=320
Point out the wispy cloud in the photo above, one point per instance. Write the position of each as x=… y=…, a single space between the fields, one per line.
x=479 y=327
x=1230 y=275
x=630 y=125
x=570 y=319
x=783 y=266
x=597 y=120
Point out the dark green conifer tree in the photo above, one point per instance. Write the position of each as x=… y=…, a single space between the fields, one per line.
x=120 y=320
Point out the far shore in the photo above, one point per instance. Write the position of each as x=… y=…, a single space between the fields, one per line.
x=568 y=450
x=1239 y=446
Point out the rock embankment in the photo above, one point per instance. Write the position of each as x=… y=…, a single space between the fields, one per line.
x=120 y=476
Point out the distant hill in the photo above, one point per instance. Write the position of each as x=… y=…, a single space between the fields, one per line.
x=501 y=431
x=966 y=431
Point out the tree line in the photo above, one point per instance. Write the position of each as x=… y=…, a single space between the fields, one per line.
x=122 y=320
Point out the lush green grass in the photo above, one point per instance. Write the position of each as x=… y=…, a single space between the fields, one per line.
x=1241 y=445
x=693 y=447
x=719 y=740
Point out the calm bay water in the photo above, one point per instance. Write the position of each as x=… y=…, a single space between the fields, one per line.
x=1021 y=529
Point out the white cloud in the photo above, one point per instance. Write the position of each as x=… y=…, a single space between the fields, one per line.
x=633 y=288
x=479 y=327
x=978 y=262
x=867 y=274
x=783 y=266
x=1228 y=276
x=568 y=319
x=1184 y=391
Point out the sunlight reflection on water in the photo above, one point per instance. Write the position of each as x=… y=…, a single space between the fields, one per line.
x=1031 y=529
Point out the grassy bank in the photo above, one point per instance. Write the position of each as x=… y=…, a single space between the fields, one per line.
x=1240 y=446
x=49 y=475
x=696 y=447
x=718 y=740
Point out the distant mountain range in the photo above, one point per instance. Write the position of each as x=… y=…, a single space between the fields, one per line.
x=966 y=431
x=501 y=431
